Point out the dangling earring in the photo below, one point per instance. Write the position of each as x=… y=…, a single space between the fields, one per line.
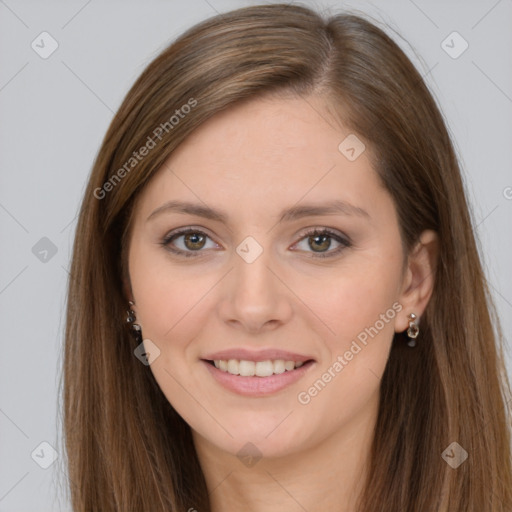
x=413 y=330
x=135 y=328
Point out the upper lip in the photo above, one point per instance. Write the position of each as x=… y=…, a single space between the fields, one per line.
x=256 y=355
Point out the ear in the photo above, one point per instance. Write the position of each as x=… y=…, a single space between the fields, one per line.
x=127 y=292
x=125 y=279
x=127 y=289
x=419 y=278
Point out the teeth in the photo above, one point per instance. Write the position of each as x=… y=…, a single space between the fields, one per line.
x=289 y=365
x=233 y=366
x=279 y=366
x=246 y=368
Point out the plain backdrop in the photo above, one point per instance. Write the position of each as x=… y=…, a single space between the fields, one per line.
x=55 y=110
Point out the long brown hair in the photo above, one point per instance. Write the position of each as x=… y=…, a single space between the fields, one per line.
x=127 y=449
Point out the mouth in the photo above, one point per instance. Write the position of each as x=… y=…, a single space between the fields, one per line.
x=256 y=378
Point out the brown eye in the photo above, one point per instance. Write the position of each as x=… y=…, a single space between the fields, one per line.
x=319 y=241
x=187 y=242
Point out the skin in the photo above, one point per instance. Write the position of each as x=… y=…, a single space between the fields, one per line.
x=252 y=161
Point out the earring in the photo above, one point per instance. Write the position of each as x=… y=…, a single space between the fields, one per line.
x=413 y=330
x=135 y=328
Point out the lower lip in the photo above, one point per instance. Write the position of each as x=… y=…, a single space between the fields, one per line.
x=257 y=386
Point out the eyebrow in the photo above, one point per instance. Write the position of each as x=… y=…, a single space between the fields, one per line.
x=336 y=207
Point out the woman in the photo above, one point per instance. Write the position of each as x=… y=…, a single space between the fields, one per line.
x=278 y=205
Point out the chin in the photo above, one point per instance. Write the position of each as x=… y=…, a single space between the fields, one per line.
x=259 y=435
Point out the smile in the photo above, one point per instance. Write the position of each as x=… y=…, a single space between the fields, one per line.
x=256 y=379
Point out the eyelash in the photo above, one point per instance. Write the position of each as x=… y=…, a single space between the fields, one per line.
x=345 y=242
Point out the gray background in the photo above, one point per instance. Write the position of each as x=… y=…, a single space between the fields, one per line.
x=55 y=111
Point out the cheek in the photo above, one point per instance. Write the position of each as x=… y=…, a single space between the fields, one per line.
x=358 y=303
x=361 y=310
x=168 y=297
x=353 y=296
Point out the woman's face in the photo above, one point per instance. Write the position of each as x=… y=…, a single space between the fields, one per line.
x=252 y=284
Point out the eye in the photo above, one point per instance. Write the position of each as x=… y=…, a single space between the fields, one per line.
x=193 y=241
x=321 y=239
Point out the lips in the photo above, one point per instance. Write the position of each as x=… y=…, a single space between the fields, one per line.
x=257 y=373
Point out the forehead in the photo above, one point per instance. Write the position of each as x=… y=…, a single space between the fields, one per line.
x=266 y=132
x=263 y=154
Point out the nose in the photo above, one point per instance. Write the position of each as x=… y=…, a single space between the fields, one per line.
x=255 y=297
